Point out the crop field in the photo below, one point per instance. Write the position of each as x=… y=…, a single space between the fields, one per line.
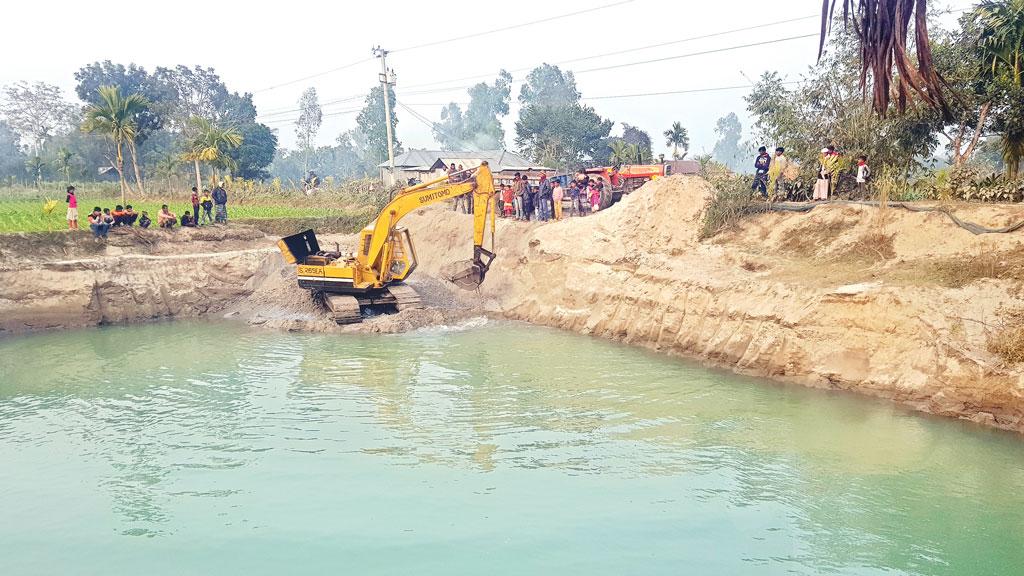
x=24 y=210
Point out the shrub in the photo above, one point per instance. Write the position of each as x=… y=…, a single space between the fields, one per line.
x=730 y=201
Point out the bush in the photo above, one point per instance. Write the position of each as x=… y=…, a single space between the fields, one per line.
x=730 y=201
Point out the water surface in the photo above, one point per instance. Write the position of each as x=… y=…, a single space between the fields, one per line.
x=501 y=449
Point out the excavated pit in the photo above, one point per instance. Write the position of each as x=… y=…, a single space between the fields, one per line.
x=886 y=303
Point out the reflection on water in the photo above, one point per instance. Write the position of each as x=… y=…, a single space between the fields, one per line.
x=499 y=449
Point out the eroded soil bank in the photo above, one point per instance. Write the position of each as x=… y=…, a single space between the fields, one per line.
x=886 y=303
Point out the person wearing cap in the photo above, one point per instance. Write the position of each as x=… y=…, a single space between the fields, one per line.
x=762 y=164
x=822 y=184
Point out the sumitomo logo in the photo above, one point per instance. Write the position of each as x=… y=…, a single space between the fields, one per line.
x=435 y=195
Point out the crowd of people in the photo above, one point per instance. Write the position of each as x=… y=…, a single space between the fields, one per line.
x=208 y=207
x=547 y=198
x=770 y=172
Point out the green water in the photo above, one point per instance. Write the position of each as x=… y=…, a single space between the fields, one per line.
x=500 y=449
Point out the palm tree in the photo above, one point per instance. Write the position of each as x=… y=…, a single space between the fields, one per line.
x=677 y=137
x=114 y=116
x=210 y=143
x=1002 y=44
x=882 y=26
x=63 y=163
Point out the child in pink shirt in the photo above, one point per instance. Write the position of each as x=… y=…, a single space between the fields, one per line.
x=595 y=198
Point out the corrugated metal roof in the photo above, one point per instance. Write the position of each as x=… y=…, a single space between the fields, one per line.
x=499 y=160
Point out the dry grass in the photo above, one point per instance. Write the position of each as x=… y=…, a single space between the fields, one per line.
x=871 y=247
x=1007 y=341
x=809 y=239
x=962 y=271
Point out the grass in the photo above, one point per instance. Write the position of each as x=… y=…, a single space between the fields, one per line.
x=21 y=209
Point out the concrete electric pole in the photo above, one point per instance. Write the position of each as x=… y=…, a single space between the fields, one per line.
x=386 y=81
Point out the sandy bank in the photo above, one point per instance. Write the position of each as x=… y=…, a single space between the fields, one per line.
x=834 y=299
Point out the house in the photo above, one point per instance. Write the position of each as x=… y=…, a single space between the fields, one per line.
x=426 y=165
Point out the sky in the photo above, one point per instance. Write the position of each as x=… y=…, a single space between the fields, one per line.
x=277 y=50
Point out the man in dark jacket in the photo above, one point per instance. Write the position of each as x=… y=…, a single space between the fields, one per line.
x=761 y=165
x=220 y=203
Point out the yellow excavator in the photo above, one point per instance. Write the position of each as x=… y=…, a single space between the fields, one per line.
x=375 y=275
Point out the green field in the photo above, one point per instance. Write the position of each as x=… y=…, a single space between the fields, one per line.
x=23 y=210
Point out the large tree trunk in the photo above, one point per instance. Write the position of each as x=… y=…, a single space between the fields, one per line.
x=199 y=176
x=120 y=174
x=135 y=165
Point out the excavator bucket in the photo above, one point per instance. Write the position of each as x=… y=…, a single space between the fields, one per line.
x=469 y=274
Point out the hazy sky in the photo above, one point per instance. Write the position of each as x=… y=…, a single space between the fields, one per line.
x=255 y=46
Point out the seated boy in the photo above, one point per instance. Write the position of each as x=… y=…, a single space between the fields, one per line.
x=144 y=221
x=118 y=215
x=130 y=216
x=187 y=221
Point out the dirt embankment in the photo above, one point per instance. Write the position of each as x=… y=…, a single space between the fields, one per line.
x=896 y=305
x=887 y=303
x=67 y=280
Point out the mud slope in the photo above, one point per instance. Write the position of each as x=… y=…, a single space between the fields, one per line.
x=802 y=298
x=67 y=280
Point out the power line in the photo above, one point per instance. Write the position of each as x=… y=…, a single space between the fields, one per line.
x=445 y=41
x=691 y=54
x=688 y=91
x=311 y=76
x=513 y=27
x=629 y=50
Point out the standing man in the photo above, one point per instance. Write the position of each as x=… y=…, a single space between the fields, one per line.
x=220 y=202
x=777 y=172
x=72 y=201
x=761 y=166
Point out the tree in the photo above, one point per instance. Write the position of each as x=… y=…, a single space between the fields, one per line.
x=641 y=141
x=547 y=85
x=115 y=117
x=621 y=152
x=827 y=107
x=480 y=127
x=35 y=165
x=131 y=79
x=727 y=149
x=553 y=126
x=1002 y=46
x=63 y=162
x=677 y=137
x=12 y=154
x=372 y=127
x=36 y=112
x=308 y=124
x=882 y=27
x=210 y=143
x=256 y=153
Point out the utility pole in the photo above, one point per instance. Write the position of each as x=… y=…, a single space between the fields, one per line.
x=386 y=81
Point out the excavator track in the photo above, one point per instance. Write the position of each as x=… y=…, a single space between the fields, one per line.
x=344 y=309
x=406 y=298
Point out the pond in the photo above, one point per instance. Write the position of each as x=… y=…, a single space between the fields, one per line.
x=491 y=448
